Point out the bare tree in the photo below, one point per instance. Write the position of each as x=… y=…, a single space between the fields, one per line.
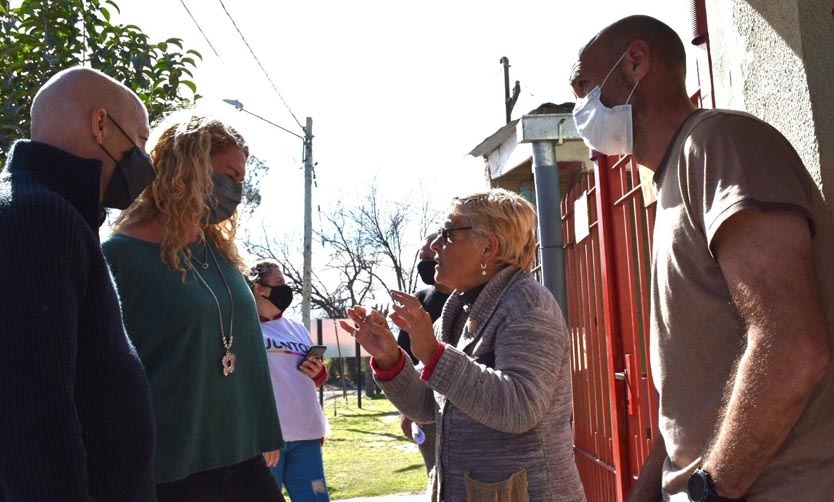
x=333 y=302
x=256 y=170
x=387 y=225
x=367 y=252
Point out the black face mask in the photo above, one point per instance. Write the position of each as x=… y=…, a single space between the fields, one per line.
x=280 y=296
x=130 y=176
x=426 y=270
x=227 y=195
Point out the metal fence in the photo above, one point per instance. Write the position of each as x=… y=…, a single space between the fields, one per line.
x=607 y=228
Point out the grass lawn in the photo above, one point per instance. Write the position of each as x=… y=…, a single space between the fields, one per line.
x=366 y=454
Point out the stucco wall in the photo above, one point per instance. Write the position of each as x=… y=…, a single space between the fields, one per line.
x=775 y=59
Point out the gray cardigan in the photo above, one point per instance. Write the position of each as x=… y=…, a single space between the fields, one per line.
x=501 y=397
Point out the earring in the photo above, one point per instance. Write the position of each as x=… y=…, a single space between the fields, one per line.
x=483 y=268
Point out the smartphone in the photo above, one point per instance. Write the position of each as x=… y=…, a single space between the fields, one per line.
x=314 y=351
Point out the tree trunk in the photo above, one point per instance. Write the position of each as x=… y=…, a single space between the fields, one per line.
x=371 y=388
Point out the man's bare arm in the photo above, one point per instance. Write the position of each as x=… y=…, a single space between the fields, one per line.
x=768 y=264
x=647 y=487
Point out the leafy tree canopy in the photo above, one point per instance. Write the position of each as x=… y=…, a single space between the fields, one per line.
x=42 y=37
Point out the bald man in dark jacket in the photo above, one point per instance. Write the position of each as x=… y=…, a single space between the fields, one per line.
x=75 y=409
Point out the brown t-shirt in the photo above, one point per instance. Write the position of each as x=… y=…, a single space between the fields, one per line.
x=722 y=162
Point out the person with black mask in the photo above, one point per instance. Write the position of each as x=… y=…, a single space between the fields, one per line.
x=73 y=395
x=432 y=298
x=294 y=381
x=190 y=314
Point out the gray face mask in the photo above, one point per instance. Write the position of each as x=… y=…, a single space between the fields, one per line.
x=226 y=198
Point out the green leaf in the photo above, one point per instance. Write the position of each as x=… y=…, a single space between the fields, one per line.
x=41 y=37
x=113 y=4
x=191 y=85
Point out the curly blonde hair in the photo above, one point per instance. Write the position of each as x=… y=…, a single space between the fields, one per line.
x=509 y=217
x=182 y=190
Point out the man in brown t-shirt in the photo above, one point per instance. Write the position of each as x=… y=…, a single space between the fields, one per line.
x=742 y=282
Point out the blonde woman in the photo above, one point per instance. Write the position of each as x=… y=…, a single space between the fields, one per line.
x=190 y=314
x=495 y=373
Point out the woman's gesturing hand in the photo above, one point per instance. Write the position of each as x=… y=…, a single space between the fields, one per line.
x=370 y=329
x=410 y=315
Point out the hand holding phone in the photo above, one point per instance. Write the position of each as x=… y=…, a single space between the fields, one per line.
x=314 y=351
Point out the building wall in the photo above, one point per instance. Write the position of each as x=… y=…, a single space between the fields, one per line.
x=774 y=60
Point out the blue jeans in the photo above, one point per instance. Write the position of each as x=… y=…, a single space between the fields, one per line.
x=301 y=470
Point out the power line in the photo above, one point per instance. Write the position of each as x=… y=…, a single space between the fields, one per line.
x=201 y=30
x=260 y=65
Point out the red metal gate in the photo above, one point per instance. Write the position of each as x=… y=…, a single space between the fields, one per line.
x=607 y=273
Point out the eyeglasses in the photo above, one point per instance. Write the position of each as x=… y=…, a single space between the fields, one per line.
x=444 y=232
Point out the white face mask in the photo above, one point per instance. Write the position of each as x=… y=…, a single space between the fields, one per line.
x=606 y=130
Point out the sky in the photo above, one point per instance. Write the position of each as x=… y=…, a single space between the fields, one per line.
x=399 y=92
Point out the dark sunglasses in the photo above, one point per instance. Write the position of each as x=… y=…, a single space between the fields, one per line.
x=444 y=232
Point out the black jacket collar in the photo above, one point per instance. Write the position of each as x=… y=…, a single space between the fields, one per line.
x=76 y=179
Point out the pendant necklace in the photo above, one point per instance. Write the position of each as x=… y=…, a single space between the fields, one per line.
x=228 y=360
x=204 y=262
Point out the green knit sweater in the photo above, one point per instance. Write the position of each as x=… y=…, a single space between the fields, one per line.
x=204 y=420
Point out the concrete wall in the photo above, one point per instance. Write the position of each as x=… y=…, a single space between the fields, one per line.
x=775 y=59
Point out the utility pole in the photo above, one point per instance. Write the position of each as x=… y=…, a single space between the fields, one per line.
x=507 y=110
x=306 y=287
x=509 y=99
x=307 y=273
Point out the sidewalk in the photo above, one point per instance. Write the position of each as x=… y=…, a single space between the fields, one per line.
x=401 y=497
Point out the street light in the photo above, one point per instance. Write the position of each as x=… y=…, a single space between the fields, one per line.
x=239 y=107
x=306 y=287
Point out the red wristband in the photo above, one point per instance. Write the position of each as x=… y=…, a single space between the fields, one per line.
x=428 y=369
x=389 y=374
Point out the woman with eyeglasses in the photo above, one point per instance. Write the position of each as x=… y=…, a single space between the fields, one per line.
x=494 y=372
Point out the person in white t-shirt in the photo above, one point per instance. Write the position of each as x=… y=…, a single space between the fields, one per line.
x=303 y=423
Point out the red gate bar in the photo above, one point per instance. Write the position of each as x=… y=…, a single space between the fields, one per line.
x=607 y=278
